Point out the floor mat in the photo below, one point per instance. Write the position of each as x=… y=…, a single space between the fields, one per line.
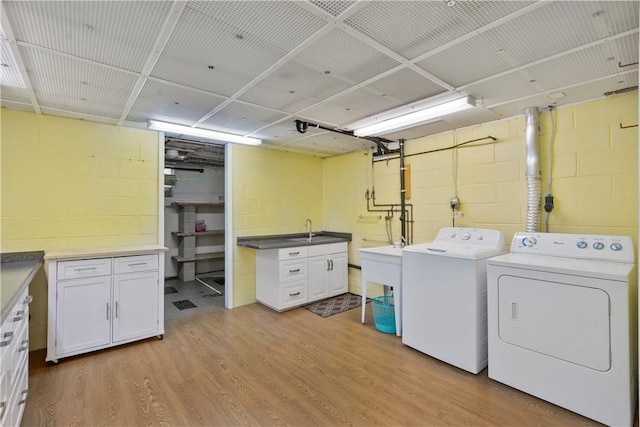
x=184 y=304
x=330 y=306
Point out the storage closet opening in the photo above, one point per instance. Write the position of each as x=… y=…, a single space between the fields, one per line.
x=194 y=214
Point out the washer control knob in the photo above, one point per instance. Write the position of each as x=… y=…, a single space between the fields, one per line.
x=465 y=236
x=479 y=237
x=529 y=241
x=616 y=247
x=598 y=246
x=582 y=244
x=453 y=235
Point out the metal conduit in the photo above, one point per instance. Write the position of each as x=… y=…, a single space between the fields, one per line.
x=533 y=175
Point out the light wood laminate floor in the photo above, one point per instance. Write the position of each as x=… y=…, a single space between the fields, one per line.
x=253 y=366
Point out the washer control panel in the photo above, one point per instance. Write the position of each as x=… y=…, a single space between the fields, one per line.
x=596 y=247
x=471 y=236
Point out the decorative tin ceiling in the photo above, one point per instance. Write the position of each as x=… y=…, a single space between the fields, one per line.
x=253 y=67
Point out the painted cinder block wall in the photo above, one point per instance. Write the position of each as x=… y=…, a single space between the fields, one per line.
x=71 y=184
x=273 y=192
x=595 y=178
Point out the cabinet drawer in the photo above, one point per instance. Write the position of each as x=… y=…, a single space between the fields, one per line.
x=292 y=253
x=294 y=294
x=131 y=264
x=293 y=270
x=329 y=248
x=84 y=268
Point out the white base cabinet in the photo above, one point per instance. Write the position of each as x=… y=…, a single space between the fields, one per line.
x=290 y=277
x=14 y=361
x=102 y=302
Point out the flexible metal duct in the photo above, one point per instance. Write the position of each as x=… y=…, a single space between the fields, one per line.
x=532 y=140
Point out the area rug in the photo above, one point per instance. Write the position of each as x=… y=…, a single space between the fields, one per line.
x=338 y=304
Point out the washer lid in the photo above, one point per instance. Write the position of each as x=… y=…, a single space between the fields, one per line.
x=455 y=250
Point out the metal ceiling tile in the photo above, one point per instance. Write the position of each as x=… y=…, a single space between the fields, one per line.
x=577 y=94
x=169 y=103
x=333 y=7
x=335 y=112
x=9 y=73
x=239 y=39
x=79 y=116
x=560 y=26
x=412 y=28
x=405 y=86
x=241 y=119
x=12 y=105
x=294 y=87
x=284 y=132
x=588 y=64
x=510 y=86
x=117 y=33
x=345 y=58
x=17 y=94
x=76 y=85
x=432 y=128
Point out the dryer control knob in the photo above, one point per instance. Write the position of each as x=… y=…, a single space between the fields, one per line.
x=479 y=237
x=616 y=247
x=452 y=235
x=582 y=244
x=465 y=236
x=598 y=246
x=529 y=242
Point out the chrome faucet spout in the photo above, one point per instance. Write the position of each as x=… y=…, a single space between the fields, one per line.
x=308 y=222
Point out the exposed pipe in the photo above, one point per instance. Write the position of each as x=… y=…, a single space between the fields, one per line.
x=403 y=193
x=533 y=175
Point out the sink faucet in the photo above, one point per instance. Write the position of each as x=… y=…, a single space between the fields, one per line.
x=308 y=221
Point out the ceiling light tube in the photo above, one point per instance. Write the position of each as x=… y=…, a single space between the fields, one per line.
x=416 y=118
x=202 y=133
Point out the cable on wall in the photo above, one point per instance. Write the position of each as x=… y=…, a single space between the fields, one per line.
x=548 y=197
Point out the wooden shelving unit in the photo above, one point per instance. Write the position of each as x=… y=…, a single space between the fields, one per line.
x=196 y=234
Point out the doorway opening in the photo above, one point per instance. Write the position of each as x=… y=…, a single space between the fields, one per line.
x=194 y=227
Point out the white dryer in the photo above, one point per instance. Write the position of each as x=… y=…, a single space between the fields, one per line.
x=444 y=294
x=562 y=322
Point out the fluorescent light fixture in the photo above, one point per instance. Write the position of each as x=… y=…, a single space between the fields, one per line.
x=417 y=117
x=202 y=133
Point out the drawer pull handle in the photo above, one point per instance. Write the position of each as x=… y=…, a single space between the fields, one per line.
x=19 y=317
x=24 y=399
x=294 y=253
x=25 y=346
x=331 y=261
x=295 y=294
x=297 y=270
x=86 y=268
x=107 y=311
x=116 y=309
x=7 y=337
x=28 y=300
x=137 y=263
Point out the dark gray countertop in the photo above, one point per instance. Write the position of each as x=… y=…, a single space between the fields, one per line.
x=17 y=270
x=278 y=241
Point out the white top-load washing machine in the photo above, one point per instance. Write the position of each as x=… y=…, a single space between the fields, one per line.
x=562 y=322
x=444 y=306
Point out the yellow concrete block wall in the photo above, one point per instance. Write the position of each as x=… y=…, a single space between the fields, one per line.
x=273 y=192
x=70 y=184
x=594 y=169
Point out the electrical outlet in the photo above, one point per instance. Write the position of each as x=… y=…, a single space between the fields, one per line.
x=454 y=202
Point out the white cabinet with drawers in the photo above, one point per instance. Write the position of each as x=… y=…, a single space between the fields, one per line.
x=14 y=360
x=290 y=277
x=97 y=303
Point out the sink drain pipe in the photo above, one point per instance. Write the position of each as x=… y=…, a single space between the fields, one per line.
x=533 y=175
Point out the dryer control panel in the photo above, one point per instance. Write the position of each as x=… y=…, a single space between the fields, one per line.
x=579 y=246
x=471 y=236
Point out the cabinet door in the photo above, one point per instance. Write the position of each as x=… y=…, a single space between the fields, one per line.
x=338 y=275
x=83 y=314
x=135 y=305
x=318 y=278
